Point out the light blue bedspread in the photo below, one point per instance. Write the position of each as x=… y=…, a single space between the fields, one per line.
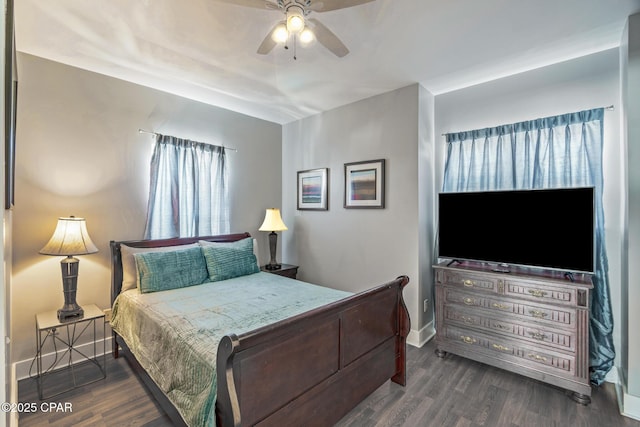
x=175 y=334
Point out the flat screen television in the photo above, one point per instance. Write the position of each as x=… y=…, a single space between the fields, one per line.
x=550 y=228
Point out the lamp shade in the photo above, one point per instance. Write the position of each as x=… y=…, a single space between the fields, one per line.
x=70 y=238
x=272 y=221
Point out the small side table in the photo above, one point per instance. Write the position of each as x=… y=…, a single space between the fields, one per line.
x=68 y=354
x=286 y=270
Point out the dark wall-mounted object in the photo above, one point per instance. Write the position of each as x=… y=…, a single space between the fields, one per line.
x=10 y=107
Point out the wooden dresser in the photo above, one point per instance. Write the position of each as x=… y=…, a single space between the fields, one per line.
x=531 y=322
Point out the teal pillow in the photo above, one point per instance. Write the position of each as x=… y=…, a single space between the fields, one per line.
x=161 y=271
x=229 y=260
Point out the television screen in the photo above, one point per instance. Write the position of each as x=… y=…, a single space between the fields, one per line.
x=551 y=228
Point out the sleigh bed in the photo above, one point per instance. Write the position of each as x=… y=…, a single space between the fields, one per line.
x=310 y=368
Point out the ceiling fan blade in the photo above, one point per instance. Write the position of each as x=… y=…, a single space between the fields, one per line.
x=269 y=43
x=257 y=4
x=329 y=40
x=327 y=5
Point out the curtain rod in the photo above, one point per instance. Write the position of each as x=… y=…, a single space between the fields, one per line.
x=155 y=134
x=609 y=108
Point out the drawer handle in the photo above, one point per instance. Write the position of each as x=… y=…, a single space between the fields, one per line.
x=469 y=301
x=468 y=340
x=537 y=335
x=537 y=293
x=538 y=358
x=468 y=283
x=467 y=320
x=500 y=347
x=539 y=314
x=500 y=306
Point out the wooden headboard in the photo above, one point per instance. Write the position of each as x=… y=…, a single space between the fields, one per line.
x=116 y=257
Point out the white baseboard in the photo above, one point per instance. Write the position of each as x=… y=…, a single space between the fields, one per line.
x=27 y=368
x=421 y=337
x=628 y=404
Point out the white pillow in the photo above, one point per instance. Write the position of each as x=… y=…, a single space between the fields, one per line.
x=129 y=269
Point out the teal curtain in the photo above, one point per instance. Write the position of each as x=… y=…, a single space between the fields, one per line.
x=553 y=152
x=187 y=191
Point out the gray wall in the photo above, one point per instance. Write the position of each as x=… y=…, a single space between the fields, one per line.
x=355 y=249
x=80 y=153
x=428 y=188
x=630 y=60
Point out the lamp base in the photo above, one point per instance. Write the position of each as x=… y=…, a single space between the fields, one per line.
x=273 y=242
x=69 y=311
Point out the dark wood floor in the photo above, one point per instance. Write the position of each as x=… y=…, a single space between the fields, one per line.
x=440 y=392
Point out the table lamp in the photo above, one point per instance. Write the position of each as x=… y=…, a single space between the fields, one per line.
x=272 y=222
x=70 y=238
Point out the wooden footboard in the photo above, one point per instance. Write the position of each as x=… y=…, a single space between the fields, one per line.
x=314 y=368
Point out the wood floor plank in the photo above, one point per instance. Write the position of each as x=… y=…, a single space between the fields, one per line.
x=448 y=392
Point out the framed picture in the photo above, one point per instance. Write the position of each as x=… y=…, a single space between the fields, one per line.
x=10 y=107
x=364 y=184
x=313 y=186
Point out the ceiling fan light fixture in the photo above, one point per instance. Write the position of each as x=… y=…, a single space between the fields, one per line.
x=295 y=19
x=280 y=34
x=298 y=27
x=307 y=36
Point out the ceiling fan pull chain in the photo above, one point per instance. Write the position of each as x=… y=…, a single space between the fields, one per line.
x=295 y=50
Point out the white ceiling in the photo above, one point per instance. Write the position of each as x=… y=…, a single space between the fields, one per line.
x=206 y=50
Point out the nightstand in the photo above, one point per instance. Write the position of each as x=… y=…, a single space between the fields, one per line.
x=66 y=347
x=287 y=270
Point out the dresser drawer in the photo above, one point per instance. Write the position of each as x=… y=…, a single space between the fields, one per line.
x=565 y=295
x=534 y=334
x=558 y=316
x=468 y=280
x=514 y=351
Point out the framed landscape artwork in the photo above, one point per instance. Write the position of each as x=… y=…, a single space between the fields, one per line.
x=364 y=184
x=313 y=186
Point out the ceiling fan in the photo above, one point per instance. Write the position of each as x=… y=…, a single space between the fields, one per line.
x=297 y=26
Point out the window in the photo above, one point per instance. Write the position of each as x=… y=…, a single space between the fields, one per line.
x=188 y=190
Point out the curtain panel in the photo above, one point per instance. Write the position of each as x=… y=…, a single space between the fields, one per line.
x=188 y=190
x=552 y=152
